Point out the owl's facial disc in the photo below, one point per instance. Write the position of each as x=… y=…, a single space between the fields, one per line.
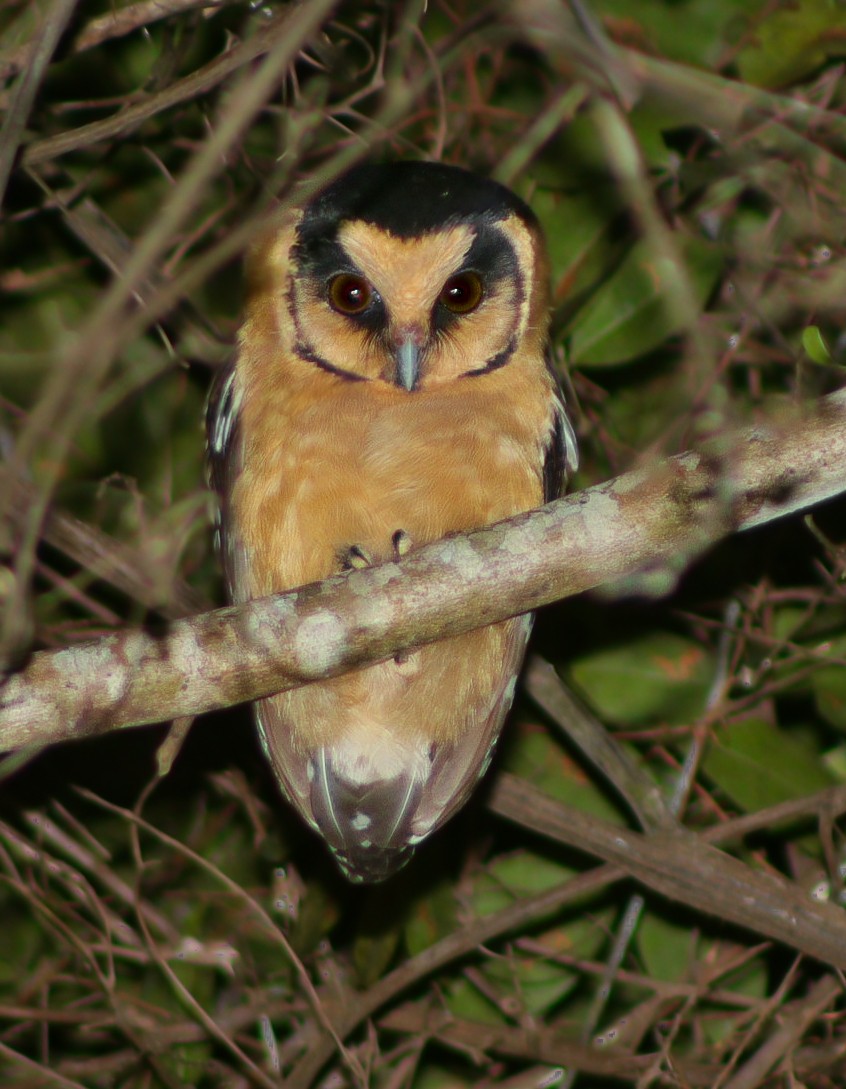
x=369 y=301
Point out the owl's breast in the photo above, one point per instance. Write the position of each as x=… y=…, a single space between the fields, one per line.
x=355 y=466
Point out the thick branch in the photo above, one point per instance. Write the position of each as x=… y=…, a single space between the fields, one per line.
x=681 y=867
x=643 y=527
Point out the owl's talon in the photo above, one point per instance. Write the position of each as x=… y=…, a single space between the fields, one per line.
x=356 y=559
x=402 y=544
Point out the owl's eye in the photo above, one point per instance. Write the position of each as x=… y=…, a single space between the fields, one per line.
x=350 y=294
x=462 y=293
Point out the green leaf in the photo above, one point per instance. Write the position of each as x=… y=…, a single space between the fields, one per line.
x=829 y=688
x=538 y=757
x=372 y=953
x=538 y=983
x=815 y=346
x=693 y=31
x=577 y=232
x=792 y=43
x=433 y=917
x=514 y=876
x=835 y=762
x=434 y=1076
x=659 y=677
x=666 y=949
x=751 y=980
x=788 y=621
x=758 y=765
x=630 y=315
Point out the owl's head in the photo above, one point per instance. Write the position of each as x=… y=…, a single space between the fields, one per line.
x=410 y=275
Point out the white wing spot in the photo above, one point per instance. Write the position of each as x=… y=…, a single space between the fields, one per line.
x=230 y=404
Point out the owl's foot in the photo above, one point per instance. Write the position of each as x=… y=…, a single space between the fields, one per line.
x=356 y=558
x=402 y=544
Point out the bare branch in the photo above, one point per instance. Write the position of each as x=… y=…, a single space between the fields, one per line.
x=684 y=869
x=278 y=32
x=553 y=821
x=106 y=27
x=105 y=557
x=39 y=54
x=644 y=527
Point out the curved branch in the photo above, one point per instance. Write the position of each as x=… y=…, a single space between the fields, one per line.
x=637 y=532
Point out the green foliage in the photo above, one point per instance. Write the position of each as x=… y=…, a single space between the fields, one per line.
x=757 y=765
x=658 y=677
x=628 y=316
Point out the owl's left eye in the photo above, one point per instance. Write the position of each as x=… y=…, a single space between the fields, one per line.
x=350 y=294
x=462 y=293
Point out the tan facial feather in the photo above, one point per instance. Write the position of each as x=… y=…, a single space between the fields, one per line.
x=408 y=273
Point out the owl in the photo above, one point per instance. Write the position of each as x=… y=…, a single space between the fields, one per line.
x=391 y=385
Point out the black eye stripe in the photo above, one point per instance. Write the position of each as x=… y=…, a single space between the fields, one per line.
x=492 y=256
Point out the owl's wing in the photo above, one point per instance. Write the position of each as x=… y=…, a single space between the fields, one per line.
x=223 y=461
x=457 y=769
x=561 y=454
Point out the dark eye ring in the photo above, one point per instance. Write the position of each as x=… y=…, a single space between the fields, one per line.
x=462 y=293
x=349 y=294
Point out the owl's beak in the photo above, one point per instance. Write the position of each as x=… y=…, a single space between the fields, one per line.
x=407 y=353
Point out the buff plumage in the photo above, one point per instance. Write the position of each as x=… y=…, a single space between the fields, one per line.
x=391 y=386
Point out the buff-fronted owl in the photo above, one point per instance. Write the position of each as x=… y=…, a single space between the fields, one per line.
x=391 y=385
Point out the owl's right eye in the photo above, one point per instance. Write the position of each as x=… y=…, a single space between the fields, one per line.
x=349 y=294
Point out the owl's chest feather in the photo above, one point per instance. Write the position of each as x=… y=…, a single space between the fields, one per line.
x=352 y=468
